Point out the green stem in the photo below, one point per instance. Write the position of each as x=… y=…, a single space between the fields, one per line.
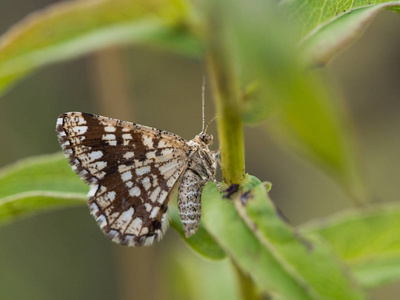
x=230 y=127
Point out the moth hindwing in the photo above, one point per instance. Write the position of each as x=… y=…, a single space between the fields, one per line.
x=132 y=171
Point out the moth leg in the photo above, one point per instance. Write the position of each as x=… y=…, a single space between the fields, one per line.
x=218 y=186
x=217 y=155
x=211 y=172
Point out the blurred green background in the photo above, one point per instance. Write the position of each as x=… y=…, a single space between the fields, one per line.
x=64 y=255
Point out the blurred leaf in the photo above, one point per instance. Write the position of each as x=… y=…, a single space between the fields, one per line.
x=24 y=204
x=367 y=239
x=312 y=127
x=38 y=184
x=278 y=261
x=201 y=242
x=68 y=29
x=328 y=27
x=50 y=173
x=302 y=114
x=194 y=278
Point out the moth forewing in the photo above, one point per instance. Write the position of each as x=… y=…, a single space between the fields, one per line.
x=132 y=171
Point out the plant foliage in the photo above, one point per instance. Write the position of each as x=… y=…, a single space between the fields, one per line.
x=245 y=44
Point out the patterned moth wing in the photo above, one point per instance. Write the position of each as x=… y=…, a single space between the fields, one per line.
x=132 y=171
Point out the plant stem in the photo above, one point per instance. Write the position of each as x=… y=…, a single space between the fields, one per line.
x=230 y=127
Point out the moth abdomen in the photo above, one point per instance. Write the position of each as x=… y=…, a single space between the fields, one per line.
x=189 y=201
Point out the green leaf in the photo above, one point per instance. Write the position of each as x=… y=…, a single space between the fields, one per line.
x=47 y=173
x=329 y=26
x=262 y=245
x=24 y=204
x=367 y=239
x=69 y=29
x=324 y=280
x=38 y=184
x=191 y=277
x=201 y=242
x=303 y=115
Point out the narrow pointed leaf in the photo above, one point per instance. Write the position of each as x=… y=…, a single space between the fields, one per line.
x=72 y=28
x=48 y=173
x=26 y=204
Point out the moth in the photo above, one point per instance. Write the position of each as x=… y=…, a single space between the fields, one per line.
x=133 y=171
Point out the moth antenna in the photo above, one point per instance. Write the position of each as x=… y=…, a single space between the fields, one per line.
x=209 y=123
x=203 y=92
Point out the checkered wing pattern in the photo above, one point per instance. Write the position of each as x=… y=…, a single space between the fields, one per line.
x=132 y=171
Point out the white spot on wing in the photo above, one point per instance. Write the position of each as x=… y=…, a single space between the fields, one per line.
x=126 y=176
x=148 y=207
x=162 y=197
x=79 y=129
x=100 y=175
x=95 y=155
x=134 y=192
x=94 y=208
x=98 y=165
x=150 y=155
x=142 y=171
x=109 y=128
x=113 y=235
x=135 y=227
x=165 y=168
x=167 y=151
x=108 y=137
x=154 y=212
x=111 y=196
x=127 y=215
x=92 y=191
x=147 y=141
x=171 y=181
x=146 y=183
x=68 y=152
x=154 y=194
x=101 y=220
x=128 y=155
x=161 y=144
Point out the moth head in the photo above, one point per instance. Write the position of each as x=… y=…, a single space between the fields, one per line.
x=206 y=138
